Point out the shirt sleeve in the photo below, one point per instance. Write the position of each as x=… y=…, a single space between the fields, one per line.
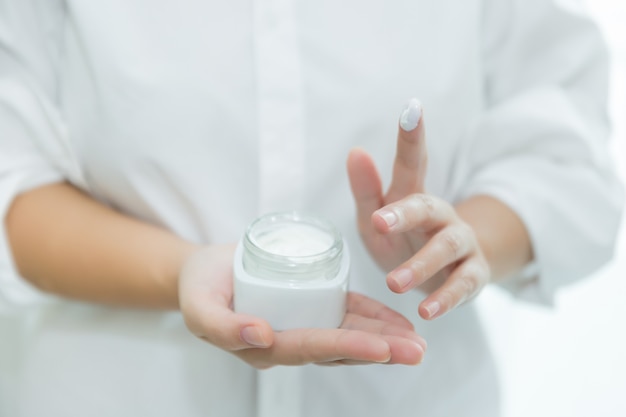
x=33 y=140
x=541 y=144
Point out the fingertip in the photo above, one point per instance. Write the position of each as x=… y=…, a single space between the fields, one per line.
x=406 y=352
x=422 y=342
x=385 y=356
x=430 y=310
x=400 y=281
x=411 y=115
x=356 y=152
x=352 y=154
x=356 y=157
x=257 y=334
x=418 y=354
x=379 y=351
x=393 y=285
x=383 y=221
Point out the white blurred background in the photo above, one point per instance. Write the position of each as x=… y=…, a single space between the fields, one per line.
x=570 y=361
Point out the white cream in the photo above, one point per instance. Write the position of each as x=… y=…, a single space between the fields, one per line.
x=411 y=115
x=294 y=239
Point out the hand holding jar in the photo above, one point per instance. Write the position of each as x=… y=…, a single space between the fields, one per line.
x=369 y=333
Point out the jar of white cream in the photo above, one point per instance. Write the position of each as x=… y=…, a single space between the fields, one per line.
x=291 y=269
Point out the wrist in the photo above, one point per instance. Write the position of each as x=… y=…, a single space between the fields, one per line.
x=500 y=233
x=168 y=276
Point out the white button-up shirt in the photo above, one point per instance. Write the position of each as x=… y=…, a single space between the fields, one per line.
x=200 y=115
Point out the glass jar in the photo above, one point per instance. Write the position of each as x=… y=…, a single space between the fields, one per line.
x=291 y=269
x=292 y=247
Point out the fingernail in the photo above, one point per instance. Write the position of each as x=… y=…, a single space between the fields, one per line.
x=410 y=117
x=390 y=218
x=384 y=360
x=422 y=353
x=432 y=309
x=420 y=341
x=252 y=336
x=403 y=278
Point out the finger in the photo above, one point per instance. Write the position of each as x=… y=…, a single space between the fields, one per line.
x=220 y=326
x=405 y=345
x=343 y=362
x=423 y=212
x=208 y=314
x=465 y=282
x=367 y=307
x=356 y=322
x=303 y=346
x=409 y=168
x=450 y=245
x=402 y=352
x=366 y=187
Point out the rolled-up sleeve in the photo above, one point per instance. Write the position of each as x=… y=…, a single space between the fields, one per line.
x=541 y=145
x=31 y=131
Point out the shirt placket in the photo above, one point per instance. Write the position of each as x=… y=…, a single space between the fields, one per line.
x=279 y=105
x=281 y=158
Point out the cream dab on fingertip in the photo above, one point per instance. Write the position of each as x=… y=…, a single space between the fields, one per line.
x=410 y=117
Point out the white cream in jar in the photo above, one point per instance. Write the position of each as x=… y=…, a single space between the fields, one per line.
x=291 y=269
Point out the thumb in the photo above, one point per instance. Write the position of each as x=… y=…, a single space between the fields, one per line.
x=366 y=187
x=228 y=330
x=206 y=294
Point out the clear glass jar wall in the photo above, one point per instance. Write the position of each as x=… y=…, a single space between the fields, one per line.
x=292 y=246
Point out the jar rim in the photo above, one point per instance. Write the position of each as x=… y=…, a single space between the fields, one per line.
x=290 y=267
x=300 y=217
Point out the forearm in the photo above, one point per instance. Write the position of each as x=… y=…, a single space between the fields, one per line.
x=501 y=234
x=66 y=243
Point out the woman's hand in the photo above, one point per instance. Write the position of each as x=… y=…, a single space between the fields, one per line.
x=370 y=332
x=419 y=238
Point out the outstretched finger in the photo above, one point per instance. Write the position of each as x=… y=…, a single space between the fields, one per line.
x=464 y=283
x=447 y=247
x=304 y=346
x=409 y=168
x=403 y=352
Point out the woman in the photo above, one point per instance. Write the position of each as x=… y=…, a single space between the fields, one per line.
x=181 y=122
